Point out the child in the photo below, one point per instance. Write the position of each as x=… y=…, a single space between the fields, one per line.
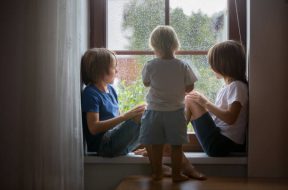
x=106 y=131
x=221 y=127
x=164 y=120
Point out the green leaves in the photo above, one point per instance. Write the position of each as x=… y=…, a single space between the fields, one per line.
x=131 y=95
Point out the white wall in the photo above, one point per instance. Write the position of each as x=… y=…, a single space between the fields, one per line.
x=40 y=118
x=268 y=66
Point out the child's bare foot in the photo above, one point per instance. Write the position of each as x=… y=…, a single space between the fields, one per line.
x=179 y=178
x=141 y=151
x=191 y=172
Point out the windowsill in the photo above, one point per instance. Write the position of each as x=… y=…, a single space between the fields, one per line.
x=194 y=157
x=192 y=150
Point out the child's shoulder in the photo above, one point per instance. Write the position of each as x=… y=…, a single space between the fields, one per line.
x=159 y=62
x=238 y=85
x=90 y=90
x=154 y=60
x=180 y=62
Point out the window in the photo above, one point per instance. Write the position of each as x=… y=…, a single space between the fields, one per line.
x=124 y=27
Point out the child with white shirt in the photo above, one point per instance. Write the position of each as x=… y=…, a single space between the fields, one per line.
x=221 y=127
x=163 y=121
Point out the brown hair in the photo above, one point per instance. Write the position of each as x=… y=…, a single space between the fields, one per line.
x=95 y=63
x=228 y=59
x=164 y=40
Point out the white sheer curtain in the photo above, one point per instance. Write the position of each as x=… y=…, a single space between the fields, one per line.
x=40 y=111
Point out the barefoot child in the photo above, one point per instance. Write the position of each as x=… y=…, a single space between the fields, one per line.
x=164 y=121
x=220 y=127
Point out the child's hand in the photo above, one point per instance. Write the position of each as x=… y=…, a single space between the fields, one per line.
x=198 y=98
x=136 y=111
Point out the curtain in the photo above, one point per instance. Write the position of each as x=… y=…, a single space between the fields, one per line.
x=40 y=112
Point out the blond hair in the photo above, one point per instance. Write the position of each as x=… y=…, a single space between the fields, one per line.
x=95 y=64
x=228 y=59
x=164 y=40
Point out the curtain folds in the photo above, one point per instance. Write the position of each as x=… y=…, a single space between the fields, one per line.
x=42 y=137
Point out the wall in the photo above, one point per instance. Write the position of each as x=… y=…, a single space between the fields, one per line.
x=40 y=118
x=267 y=55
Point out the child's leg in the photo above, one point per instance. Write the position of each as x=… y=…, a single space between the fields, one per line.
x=193 y=110
x=120 y=140
x=156 y=161
x=176 y=159
x=186 y=167
x=166 y=170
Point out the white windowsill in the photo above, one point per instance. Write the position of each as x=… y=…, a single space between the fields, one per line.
x=194 y=157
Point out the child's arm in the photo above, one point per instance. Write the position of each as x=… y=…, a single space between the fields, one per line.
x=145 y=76
x=189 y=78
x=95 y=126
x=229 y=115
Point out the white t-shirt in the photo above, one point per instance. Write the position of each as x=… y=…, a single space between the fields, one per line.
x=235 y=91
x=168 y=79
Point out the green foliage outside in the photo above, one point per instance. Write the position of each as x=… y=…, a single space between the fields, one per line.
x=196 y=32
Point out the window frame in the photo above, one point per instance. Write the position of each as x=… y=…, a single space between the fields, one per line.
x=98 y=26
x=236 y=31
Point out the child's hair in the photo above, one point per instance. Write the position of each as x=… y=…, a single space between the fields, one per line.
x=95 y=63
x=164 y=40
x=228 y=59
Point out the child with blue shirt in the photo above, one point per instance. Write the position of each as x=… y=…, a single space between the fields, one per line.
x=106 y=131
x=164 y=120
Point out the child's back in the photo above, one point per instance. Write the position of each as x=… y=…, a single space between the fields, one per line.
x=168 y=79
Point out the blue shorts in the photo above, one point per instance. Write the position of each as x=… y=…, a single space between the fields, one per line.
x=163 y=127
x=211 y=139
x=120 y=140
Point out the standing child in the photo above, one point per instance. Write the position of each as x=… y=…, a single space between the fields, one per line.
x=164 y=121
x=221 y=127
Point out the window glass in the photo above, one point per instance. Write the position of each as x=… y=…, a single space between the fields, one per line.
x=131 y=21
x=199 y=23
x=128 y=82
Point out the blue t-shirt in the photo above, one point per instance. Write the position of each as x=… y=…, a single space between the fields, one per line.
x=106 y=104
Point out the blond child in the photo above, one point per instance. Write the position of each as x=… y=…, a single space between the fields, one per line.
x=163 y=121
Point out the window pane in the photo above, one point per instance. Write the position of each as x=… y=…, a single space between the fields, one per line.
x=199 y=23
x=128 y=82
x=131 y=21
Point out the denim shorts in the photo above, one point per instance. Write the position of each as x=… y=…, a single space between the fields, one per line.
x=163 y=127
x=211 y=139
x=120 y=140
